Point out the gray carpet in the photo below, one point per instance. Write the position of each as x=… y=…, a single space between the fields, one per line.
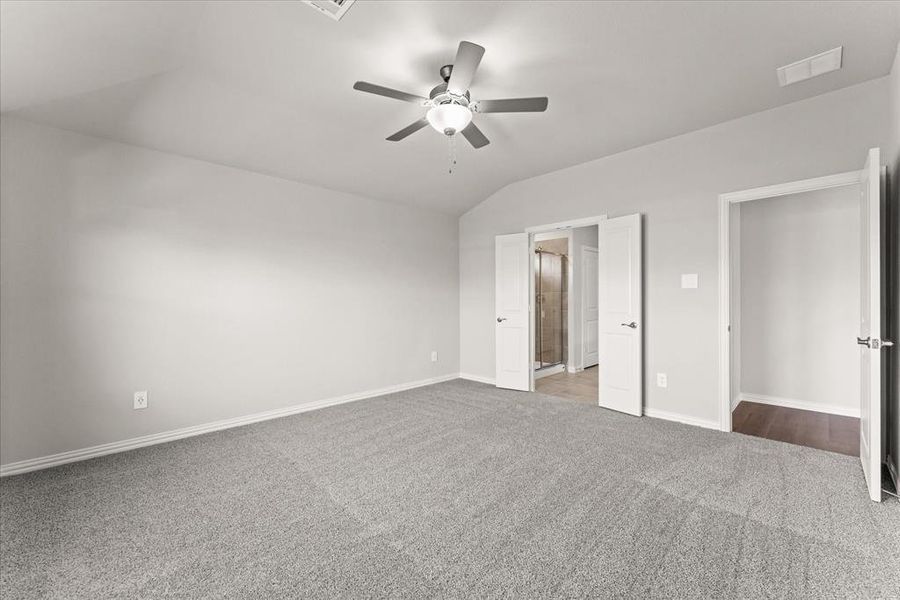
x=457 y=490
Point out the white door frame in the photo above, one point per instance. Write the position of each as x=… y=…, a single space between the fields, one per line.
x=725 y=253
x=562 y=225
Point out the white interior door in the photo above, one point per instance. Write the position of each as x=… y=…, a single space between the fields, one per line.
x=589 y=307
x=869 y=340
x=619 y=314
x=513 y=361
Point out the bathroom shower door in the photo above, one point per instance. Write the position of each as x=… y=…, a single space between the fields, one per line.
x=550 y=303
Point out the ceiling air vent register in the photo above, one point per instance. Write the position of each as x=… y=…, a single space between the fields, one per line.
x=810 y=67
x=333 y=8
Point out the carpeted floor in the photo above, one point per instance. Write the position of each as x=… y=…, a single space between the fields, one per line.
x=457 y=490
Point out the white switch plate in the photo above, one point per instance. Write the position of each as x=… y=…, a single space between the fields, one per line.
x=662 y=380
x=140 y=400
x=434 y=356
x=690 y=281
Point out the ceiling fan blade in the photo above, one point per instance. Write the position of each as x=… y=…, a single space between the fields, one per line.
x=511 y=105
x=380 y=90
x=408 y=130
x=468 y=56
x=474 y=135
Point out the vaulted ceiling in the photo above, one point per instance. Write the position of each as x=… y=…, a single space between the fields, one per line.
x=266 y=86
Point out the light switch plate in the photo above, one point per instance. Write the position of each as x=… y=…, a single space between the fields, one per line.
x=690 y=281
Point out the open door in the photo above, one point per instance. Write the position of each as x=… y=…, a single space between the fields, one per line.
x=619 y=313
x=589 y=306
x=870 y=324
x=513 y=366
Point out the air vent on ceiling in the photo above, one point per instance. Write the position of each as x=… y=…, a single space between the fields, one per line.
x=333 y=8
x=810 y=67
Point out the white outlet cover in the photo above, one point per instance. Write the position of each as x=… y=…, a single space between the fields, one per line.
x=690 y=281
x=140 y=400
x=434 y=356
x=662 y=380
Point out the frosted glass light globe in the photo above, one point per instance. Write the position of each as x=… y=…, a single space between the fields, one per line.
x=449 y=118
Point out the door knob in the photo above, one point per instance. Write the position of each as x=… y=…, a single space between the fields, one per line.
x=633 y=325
x=501 y=319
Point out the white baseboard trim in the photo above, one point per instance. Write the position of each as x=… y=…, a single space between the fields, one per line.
x=547 y=371
x=735 y=401
x=574 y=369
x=478 y=378
x=679 y=418
x=54 y=460
x=800 y=404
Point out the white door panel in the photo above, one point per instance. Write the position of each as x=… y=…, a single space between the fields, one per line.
x=589 y=306
x=870 y=324
x=620 y=347
x=617 y=264
x=513 y=368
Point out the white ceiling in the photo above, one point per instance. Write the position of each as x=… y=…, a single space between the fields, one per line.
x=266 y=86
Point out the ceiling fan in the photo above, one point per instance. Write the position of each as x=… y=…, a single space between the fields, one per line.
x=450 y=107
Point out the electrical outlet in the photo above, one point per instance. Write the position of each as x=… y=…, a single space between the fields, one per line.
x=140 y=400
x=662 y=380
x=434 y=356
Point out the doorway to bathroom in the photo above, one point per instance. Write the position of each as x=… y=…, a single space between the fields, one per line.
x=565 y=313
x=611 y=335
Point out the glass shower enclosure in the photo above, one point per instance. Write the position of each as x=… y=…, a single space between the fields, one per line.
x=551 y=308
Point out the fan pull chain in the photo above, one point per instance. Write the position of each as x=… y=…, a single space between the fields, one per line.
x=451 y=152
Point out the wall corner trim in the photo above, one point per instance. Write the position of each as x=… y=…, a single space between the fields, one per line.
x=62 y=458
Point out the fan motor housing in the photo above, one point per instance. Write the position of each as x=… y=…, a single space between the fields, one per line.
x=440 y=95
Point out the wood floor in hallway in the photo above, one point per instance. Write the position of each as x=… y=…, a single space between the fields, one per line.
x=802 y=427
x=575 y=386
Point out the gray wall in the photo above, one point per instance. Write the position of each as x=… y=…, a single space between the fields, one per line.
x=222 y=292
x=675 y=184
x=800 y=298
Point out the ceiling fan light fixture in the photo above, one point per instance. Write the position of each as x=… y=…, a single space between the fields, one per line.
x=449 y=118
x=450 y=105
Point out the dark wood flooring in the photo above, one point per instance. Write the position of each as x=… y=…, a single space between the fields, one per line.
x=802 y=427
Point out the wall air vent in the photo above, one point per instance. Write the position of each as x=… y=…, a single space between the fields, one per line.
x=333 y=8
x=810 y=67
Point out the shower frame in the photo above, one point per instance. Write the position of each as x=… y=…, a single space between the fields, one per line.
x=539 y=363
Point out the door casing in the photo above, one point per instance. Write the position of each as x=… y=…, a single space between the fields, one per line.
x=531 y=231
x=727 y=375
